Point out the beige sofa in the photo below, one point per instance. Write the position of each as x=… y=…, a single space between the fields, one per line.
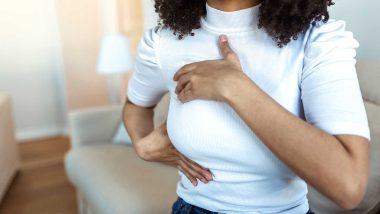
x=112 y=179
x=9 y=162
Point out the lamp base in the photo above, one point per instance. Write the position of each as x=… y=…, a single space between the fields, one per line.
x=114 y=84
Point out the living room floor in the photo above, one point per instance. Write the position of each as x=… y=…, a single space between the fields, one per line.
x=41 y=186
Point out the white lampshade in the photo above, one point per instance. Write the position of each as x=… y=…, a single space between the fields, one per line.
x=115 y=55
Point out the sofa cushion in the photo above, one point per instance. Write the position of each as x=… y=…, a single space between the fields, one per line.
x=114 y=180
x=121 y=135
x=161 y=110
x=369 y=77
x=371 y=201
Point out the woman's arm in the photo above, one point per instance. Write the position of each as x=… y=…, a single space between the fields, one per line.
x=139 y=123
x=154 y=144
x=337 y=166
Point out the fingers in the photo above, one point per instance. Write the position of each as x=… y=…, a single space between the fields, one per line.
x=186 y=97
x=183 y=80
x=185 y=93
x=206 y=175
x=193 y=171
x=191 y=161
x=225 y=48
x=205 y=172
x=192 y=179
x=190 y=174
x=185 y=69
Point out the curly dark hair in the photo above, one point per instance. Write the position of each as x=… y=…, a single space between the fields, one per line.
x=283 y=20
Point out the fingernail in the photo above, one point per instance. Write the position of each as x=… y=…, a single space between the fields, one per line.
x=223 y=38
x=203 y=180
x=209 y=177
x=194 y=183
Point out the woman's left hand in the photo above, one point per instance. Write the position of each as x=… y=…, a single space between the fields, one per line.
x=210 y=79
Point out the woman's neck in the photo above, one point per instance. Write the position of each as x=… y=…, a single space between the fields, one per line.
x=232 y=5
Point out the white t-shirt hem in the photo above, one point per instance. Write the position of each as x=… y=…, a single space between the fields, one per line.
x=344 y=127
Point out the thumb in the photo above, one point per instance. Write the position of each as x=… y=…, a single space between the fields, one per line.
x=225 y=48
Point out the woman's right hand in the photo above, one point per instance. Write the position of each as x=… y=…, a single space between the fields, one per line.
x=157 y=147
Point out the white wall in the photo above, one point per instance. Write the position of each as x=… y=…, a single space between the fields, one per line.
x=31 y=66
x=363 y=19
x=150 y=17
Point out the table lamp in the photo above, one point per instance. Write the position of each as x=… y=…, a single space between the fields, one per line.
x=114 y=59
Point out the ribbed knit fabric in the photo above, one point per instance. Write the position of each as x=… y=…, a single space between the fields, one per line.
x=313 y=77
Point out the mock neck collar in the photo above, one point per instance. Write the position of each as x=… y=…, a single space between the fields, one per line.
x=233 y=21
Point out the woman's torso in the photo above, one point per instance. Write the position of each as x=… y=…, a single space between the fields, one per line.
x=247 y=175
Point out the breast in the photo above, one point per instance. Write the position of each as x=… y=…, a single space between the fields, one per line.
x=213 y=135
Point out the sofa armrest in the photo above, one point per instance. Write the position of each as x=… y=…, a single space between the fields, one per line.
x=95 y=125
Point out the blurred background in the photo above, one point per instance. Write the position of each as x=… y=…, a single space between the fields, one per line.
x=64 y=56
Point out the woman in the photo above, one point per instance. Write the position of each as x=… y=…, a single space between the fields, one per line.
x=264 y=98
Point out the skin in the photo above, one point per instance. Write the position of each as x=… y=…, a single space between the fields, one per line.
x=232 y=5
x=335 y=165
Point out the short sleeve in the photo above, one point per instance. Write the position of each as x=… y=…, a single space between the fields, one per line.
x=330 y=91
x=146 y=85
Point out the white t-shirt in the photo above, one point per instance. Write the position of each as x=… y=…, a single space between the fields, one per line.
x=313 y=77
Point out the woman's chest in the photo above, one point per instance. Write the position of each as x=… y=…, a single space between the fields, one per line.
x=206 y=130
x=275 y=70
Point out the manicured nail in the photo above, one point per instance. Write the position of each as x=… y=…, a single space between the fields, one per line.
x=223 y=38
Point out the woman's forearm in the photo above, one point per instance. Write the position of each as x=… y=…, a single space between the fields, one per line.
x=138 y=121
x=319 y=158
